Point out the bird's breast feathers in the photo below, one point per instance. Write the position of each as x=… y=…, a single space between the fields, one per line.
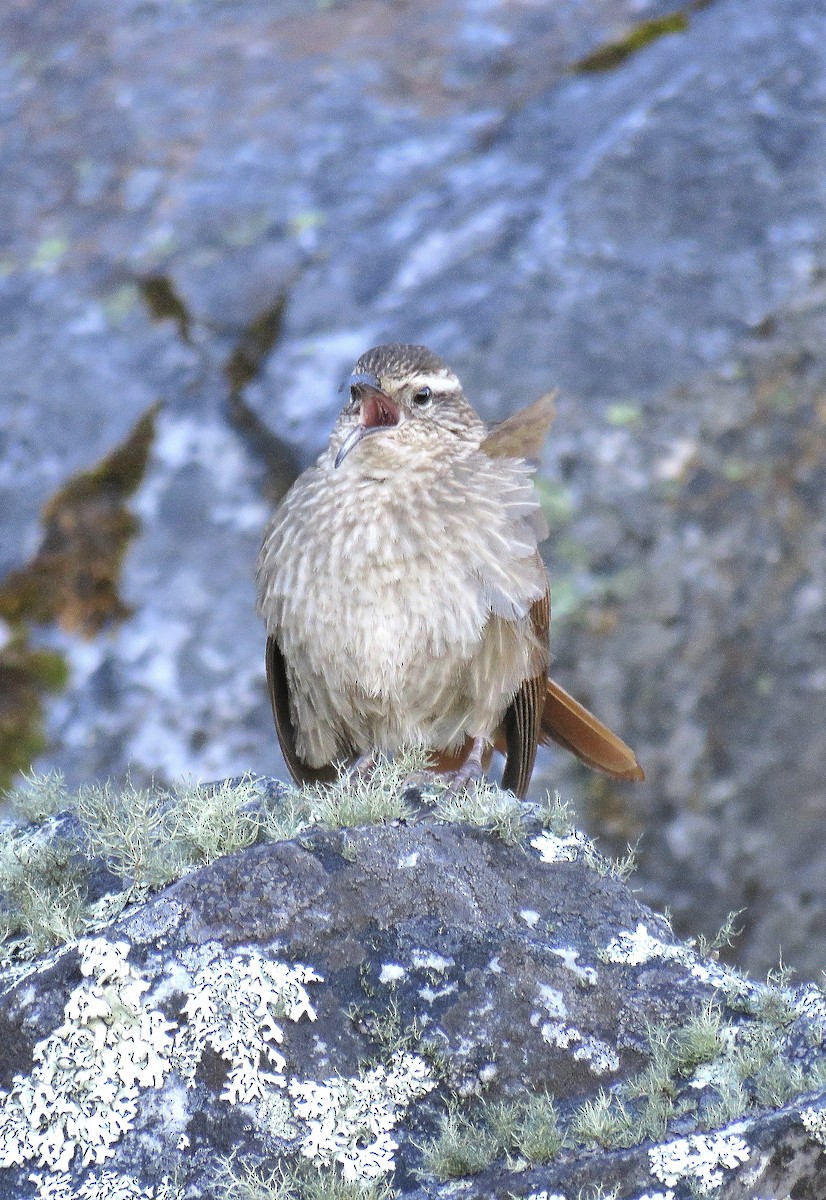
x=366 y=559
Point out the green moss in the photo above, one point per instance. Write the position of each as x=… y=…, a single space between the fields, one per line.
x=568 y=596
x=37 y=797
x=288 y=818
x=726 y=935
x=623 y=413
x=48 y=670
x=383 y=1024
x=26 y=677
x=556 y=815
x=118 y=303
x=528 y=1129
x=731 y=1101
x=305 y=221
x=699 y=1041
x=612 y=54
x=49 y=252
x=150 y=836
x=556 y=501
x=616 y=868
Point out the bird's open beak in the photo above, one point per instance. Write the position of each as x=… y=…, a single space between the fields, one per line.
x=376 y=412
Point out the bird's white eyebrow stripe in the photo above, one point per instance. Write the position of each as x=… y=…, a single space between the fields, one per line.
x=436 y=382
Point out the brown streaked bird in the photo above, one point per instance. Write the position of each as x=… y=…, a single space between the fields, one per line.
x=404 y=596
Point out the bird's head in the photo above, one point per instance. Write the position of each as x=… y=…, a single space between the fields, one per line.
x=403 y=399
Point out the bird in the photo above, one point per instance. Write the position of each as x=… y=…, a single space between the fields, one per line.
x=404 y=596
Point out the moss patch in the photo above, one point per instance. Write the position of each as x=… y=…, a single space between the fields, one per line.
x=72 y=581
x=164 y=304
x=73 y=578
x=26 y=677
x=613 y=54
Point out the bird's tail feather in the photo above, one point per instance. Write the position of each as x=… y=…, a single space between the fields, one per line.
x=567 y=722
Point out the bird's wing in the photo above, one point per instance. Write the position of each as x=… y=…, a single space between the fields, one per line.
x=523 y=434
x=523 y=719
x=569 y=724
x=280 y=700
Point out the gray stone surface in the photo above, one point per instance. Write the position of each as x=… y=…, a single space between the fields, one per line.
x=651 y=239
x=494 y=971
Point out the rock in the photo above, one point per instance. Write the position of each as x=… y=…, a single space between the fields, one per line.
x=416 y=1002
x=650 y=238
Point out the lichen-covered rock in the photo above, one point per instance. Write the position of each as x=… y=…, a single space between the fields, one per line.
x=414 y=1004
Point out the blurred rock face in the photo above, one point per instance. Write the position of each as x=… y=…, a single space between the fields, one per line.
x=220 y=206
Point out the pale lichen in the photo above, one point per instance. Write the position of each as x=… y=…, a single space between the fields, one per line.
x=567 y=848
x=600 y=1057
x=699 y=1159
x=814 y=1122
x=350 y=1119
x=428 y=960
x=638 y=946
x=106 y=1185
x=586 y=976
x=484 y=805
x=82 y=1094
x=233 y=1009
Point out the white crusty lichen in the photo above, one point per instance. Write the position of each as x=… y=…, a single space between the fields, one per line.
x=599 y=1056
x=568 y=848
x=699 y=1159
x=586 y=976
x=350 y=1120
x=814 y=1122
x=638 y=946
x=234 y=1008
x=81 y=1096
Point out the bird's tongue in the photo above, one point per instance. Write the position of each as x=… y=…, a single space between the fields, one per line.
x=378 y=410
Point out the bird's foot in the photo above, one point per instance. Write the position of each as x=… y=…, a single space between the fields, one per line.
x=471 y=771
x=364 y=766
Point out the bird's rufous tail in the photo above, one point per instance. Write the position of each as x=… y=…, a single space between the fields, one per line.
x=567 y=722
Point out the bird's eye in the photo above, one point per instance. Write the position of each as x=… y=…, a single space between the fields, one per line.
x=423 y=397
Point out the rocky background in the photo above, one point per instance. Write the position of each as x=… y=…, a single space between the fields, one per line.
x=211 y=208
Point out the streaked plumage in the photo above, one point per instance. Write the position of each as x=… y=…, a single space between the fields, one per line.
x=403 y=592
